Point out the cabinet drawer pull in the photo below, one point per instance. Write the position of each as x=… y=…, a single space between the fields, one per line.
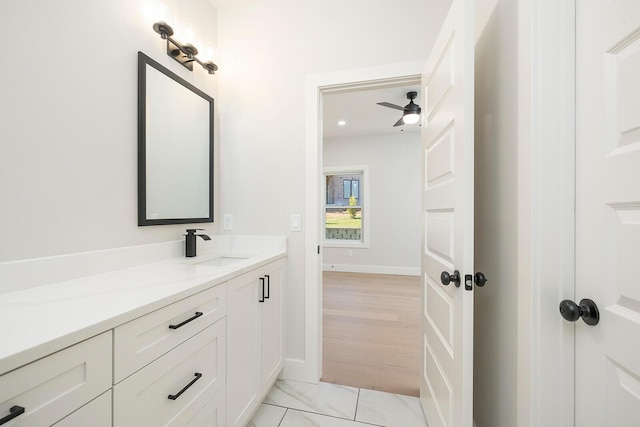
x=262 y=295
x=268 y=286
x=193 y=381
x=198 y=314
x=14 y=412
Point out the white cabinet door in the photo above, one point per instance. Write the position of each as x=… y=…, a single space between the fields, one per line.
x=607 y=371
x=446 y=389
x=256 y=338
x=272 y=324
x=243 y=347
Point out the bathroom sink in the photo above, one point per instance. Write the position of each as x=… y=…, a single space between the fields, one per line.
x=221 y=261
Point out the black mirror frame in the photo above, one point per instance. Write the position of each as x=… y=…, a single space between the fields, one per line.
x=143 y=61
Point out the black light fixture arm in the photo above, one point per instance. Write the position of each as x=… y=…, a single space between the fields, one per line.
x=185 y=53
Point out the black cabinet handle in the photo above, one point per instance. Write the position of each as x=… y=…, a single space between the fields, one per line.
x=198 y=375
x=268 y=286
x=262 y=295
x=179 y=325
x=14 y=412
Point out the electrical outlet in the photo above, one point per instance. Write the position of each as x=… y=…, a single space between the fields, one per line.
x=349 y=252
x=228 y=222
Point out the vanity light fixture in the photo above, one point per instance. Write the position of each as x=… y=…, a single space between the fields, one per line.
x=185 y=53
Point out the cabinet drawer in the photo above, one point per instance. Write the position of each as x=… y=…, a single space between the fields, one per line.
x=141 y=341
x=53 y=387
x=143 y=398
x=214 y=412
x=96 y=413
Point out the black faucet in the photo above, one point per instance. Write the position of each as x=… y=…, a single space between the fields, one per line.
x=190 y=248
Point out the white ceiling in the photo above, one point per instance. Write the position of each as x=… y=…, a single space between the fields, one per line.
x=364 y=117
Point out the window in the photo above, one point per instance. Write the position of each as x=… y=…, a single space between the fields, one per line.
x=349 y=187
x=344 y=207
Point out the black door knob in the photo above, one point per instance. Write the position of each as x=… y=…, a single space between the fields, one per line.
x=587 y=309
x=479 y=279
x=447 y=278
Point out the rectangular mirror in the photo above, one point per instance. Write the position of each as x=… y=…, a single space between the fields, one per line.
x=175 y=148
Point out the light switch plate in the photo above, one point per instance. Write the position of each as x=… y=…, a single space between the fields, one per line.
x=228 y=222
x=296 y=222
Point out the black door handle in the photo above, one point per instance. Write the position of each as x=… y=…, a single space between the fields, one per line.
x=447 y=278
x=587 y=309
x=479 y=279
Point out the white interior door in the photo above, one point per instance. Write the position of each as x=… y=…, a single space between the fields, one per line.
x=446 y=389
x=607 y=389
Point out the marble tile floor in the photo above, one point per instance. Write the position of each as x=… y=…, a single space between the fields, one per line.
x=299 y=404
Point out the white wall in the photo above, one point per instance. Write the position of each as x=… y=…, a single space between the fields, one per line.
x=68 y=120
x=394 y=205
x=267 y=49
x=68 y=134
x=496 y=218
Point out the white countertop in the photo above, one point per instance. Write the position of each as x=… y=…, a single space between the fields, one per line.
x=41 y=320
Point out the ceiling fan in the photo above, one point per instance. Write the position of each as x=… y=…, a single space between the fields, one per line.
x=410 y=112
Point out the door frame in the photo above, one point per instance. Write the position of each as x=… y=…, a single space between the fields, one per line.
x=310 y=367
x=546 y=157
x=546 y=211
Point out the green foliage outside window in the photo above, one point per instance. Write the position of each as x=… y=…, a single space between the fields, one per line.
x=352 y=211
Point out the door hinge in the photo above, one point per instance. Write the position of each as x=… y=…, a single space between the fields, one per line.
x=318 y=249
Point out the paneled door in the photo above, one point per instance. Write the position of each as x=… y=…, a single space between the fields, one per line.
x=446 y=389
x=607 y=371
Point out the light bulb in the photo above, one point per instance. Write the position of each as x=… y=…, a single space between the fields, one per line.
x=189 y=35
x=410 y=118
x=208 y=53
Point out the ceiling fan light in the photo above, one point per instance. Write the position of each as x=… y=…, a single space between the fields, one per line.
x=411 y=118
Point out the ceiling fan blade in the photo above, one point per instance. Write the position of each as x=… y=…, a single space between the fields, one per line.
x=399 y=122
x=390 y=105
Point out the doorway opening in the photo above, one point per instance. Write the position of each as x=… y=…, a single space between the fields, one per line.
x=370 y=284
x=309 y=367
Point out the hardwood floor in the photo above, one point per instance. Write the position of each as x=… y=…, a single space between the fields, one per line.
x=371 y=331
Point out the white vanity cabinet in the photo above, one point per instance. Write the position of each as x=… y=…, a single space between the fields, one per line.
x=255 y=345
x=168 y=364
x=53 y=387
x=172 y=343
x=272 y=325
x=173 y=389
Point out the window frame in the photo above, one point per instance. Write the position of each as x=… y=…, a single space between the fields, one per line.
x=362 y=170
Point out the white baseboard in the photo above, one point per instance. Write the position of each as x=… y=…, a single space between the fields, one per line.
x=298 y=370
x=372 y=269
